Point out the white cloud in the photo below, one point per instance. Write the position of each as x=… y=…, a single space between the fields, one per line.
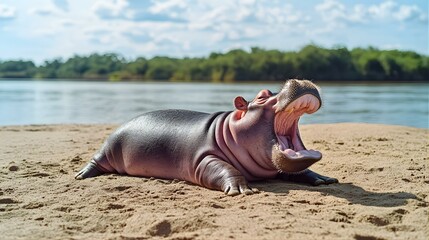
x=247 y=2
x=409 y=12
x=167 y=6
x=331 y=10
x=7 y=12
x=67 y=23
x=390 y=10
x=56 y=7
x=45 y=11
x=112 y=9
x=279 y=15
x=248 y=22
x=383 y=10
x=336 y=14
x=61 y=4
x=359 y=14
x=139 y=11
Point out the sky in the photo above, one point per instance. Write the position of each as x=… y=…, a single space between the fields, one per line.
x=42 y=30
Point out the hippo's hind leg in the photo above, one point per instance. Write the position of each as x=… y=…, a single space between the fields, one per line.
x=217 y=174
x=96 y=167
x=307 y=176
x=92 y=169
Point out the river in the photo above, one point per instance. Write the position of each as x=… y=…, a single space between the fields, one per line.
x=58 y=102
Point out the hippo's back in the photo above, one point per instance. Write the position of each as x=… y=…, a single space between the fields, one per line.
x=173 y=118
x=162 y=143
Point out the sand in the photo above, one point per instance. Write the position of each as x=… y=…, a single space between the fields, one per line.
x=383 y=191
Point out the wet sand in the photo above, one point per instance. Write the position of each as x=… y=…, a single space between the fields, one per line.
x=383 y=191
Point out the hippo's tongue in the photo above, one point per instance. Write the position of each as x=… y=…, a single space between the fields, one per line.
x=291 y=145
x=293 y=149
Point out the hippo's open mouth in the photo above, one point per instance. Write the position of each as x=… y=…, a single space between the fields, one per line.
x=288 y=137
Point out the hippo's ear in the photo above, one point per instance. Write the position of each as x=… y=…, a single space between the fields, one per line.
x=240 y=103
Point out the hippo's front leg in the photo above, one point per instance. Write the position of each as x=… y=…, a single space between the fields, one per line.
x=217 y=174
x=307 y=176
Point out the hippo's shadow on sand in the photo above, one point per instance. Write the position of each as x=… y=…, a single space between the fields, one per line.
x=354 y=194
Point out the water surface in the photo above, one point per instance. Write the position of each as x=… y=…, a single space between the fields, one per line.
x=44 y=102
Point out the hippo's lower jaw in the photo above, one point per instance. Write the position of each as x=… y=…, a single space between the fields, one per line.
x=290 y=154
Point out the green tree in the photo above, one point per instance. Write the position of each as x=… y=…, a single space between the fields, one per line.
x=49 y=69
x=17 y=69
x=311 y=62
x=161 y=68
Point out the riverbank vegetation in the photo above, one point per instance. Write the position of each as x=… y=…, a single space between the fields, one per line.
x=310 y=62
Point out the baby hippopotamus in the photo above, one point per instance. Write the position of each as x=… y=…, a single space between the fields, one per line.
x=260 y=139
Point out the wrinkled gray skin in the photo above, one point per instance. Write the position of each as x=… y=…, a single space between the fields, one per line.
x=221 y=151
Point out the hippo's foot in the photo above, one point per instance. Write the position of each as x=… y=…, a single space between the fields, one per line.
x=92 y=169
x=220 y=175
x=307 y=176
x=237 y=185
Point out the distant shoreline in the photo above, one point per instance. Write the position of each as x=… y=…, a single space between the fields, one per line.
x=236 y=65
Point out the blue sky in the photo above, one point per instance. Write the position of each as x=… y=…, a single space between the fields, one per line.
x=46 y=29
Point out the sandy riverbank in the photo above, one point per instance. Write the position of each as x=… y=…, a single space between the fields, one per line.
x=383 y=191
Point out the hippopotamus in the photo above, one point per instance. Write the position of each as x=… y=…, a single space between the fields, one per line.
x=223 y=151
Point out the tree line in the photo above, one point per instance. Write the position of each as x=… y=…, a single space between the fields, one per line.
x=310 y=62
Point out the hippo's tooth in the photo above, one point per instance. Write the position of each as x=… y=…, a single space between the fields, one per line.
x=289 y=108
x=313 y=104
